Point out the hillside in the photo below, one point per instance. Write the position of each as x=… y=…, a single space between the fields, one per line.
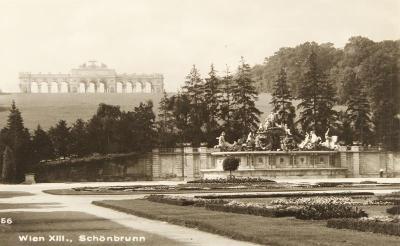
x=47 y=109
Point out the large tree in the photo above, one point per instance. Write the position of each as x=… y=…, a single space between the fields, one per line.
x=17 y=137
x=227 y=106
x=61 y=138
x=246 y=115
x=42 y=146
x=282 y=100
x=317 y=97
x=166 y=124
x=380 y=72
x=102 y=129
x=212 y=98
x=79 y=144
x=194 y=90
x=8 y=174
x=359 y=113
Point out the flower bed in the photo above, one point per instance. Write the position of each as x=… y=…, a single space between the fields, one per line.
x=233 y=180
x=126 y=188
x=304 y=201
x=286 y=195
x=254 y=209
x=329 y=210
x=313 y=208
x=384 y=225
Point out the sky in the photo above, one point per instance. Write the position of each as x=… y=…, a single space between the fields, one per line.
x=169 y=36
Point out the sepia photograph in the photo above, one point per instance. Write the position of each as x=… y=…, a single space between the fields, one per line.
x=199 y=122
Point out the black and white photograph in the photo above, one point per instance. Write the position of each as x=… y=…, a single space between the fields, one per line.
x=199 y=122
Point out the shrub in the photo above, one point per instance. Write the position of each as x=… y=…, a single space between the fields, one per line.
x=230 y=164
x=393 y=210
x=367 y=225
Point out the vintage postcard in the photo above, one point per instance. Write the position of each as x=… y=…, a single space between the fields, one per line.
x=199 y=122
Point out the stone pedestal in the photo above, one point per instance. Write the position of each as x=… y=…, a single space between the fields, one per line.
x=355 y=150
x=156 y=167
x=179 y=161
x=203 y=156
x=30 y=178
x=189 y=162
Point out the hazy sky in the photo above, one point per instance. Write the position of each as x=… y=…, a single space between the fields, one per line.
x=168 y=36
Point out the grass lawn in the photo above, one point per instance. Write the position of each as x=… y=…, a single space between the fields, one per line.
x=72 y=225
x=9 y=194
x=26 y=205
x=263 y=230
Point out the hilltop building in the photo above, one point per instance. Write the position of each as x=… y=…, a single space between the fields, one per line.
x=91 y=77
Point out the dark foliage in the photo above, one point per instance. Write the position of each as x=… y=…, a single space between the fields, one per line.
x=389 y=228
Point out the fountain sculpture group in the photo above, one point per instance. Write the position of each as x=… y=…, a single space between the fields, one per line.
x=276 y=136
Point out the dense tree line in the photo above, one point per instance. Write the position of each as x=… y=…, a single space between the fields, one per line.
x=110 y=130
x=205 y=107
x=363 y=76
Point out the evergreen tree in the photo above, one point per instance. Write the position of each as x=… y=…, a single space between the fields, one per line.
x=358 y=111
x=144 y=126
x=227 y=106
x=166 y=124
x=345 y=130
x=194 y=90
x=79 y=144
x=102 y=129
x=282 y=100
x=8 y=174
x=42 y=145
x=212 y=97
x=17 y=137
x=244 y=94
x=317 y=99
x=61 y=138
x=181 y=112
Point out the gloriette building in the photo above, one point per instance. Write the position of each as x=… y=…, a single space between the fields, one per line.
x=91 y=77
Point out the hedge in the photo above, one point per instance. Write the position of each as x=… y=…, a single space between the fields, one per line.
x=388 y=228
x=393 y=210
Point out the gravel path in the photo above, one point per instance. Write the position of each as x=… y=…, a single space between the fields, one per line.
x=186 y=236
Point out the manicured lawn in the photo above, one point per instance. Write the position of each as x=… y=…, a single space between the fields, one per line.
x=9 y=194
x=72 y=225
x=25 y=205
x=268 y=231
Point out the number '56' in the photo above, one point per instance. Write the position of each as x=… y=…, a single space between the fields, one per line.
x=7 y=221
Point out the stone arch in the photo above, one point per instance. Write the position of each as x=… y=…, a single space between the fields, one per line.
x=101 y=87
x=91 y=87
x=64 y=87
x=44 y=87
x=119 y=87
x=82 y=87
x=34 y=87
x=138 y=87
x=129 y=87
x=53 y=87
x=148 y=87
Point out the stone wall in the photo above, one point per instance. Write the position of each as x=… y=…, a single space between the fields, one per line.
x=129 y=167
x=188 y=163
